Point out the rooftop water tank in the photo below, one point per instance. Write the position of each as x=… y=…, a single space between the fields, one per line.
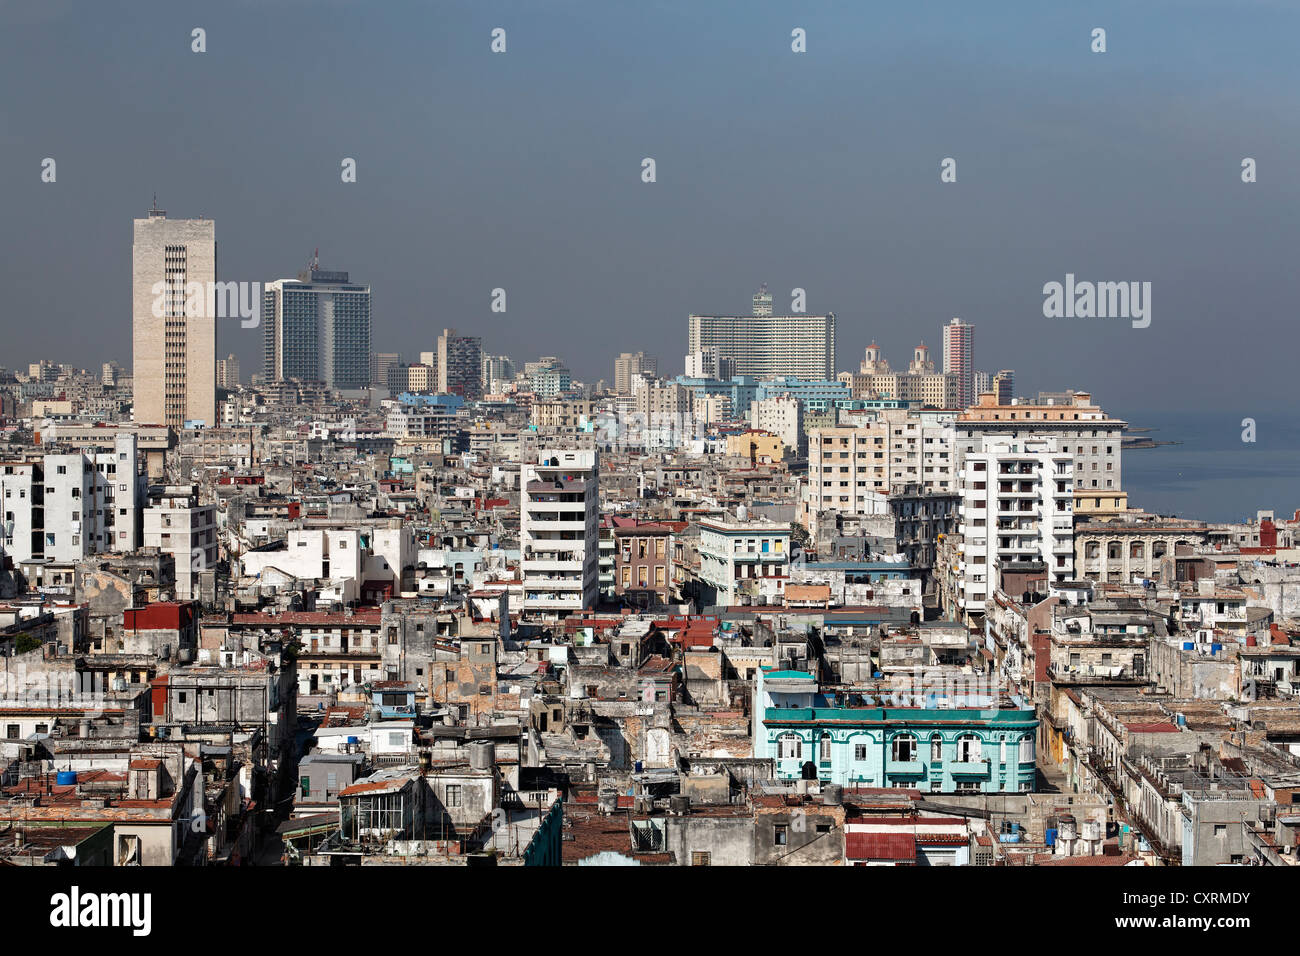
x=66 y=778
x=482 y=755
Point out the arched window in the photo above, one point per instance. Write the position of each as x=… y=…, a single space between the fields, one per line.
x=1092 y=549
x=936 y=747
x=1112 y=551
x=825 y=755
x=904 y=748
x=1136 y=550
x=969 y=748
x=789 y=745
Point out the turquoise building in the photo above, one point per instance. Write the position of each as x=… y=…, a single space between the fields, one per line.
x=866 y=739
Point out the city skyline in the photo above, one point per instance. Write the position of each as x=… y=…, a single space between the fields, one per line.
x=620 y=270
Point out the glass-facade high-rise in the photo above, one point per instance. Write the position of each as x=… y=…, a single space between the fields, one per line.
x=317 y=328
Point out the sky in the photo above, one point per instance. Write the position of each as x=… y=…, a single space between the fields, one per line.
x=817 y=170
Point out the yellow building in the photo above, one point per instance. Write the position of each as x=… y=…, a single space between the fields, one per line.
x=756 y=446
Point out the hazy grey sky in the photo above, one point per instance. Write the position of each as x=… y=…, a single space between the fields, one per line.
x=818 y=170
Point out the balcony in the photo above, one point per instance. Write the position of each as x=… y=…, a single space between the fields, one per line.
x=969 y=768
x=1094 y=673
x=905 y=768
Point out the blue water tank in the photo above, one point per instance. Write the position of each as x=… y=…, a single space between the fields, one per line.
x=638 y=766
x=67 y=778
x=1051 y=836
x=1215 y=648
x=1188 y=645
x=352 y=740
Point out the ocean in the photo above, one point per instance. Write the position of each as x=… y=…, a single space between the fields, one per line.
x=1213 y=475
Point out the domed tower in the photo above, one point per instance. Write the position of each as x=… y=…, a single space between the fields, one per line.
x=921 y=361
x=874 y=361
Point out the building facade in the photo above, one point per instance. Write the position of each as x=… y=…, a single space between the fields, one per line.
x=959 y=359
x=1016 y=508
x=559 y=532
x=173 y=320
x=766 y=346
x=460 y=365
x=861 y=740
x=317 y=328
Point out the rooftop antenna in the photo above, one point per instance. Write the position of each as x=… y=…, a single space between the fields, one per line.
x=314 y=265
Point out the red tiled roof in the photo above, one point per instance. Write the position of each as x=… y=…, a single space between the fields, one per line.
x=1160 y=727
x=899 y=847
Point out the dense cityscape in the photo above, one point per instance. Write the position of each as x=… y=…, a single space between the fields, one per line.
x=356 y=607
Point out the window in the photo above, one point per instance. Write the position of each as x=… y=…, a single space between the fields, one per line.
x=779 y=834
x=12 y=731
x=936 y=747
x=699 y=858
x=789 y=745
x=969 y=749
x=826 y=748
x=904 y=748
x=305 y=783
x=859 y=751
x=1026 y=749
x=453 y=794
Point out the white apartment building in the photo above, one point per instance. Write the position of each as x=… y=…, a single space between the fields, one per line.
x=743 y=563
x=782 y=415
x=63 y=507
x=363 y=562
x=418 y=421
x=178 y=525
x=559 y=532
x=1017 y=501
x=709 y=363
x=1092 y=438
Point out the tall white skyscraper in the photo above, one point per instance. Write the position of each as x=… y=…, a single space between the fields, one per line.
x=959 y=358
x=174 y=350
